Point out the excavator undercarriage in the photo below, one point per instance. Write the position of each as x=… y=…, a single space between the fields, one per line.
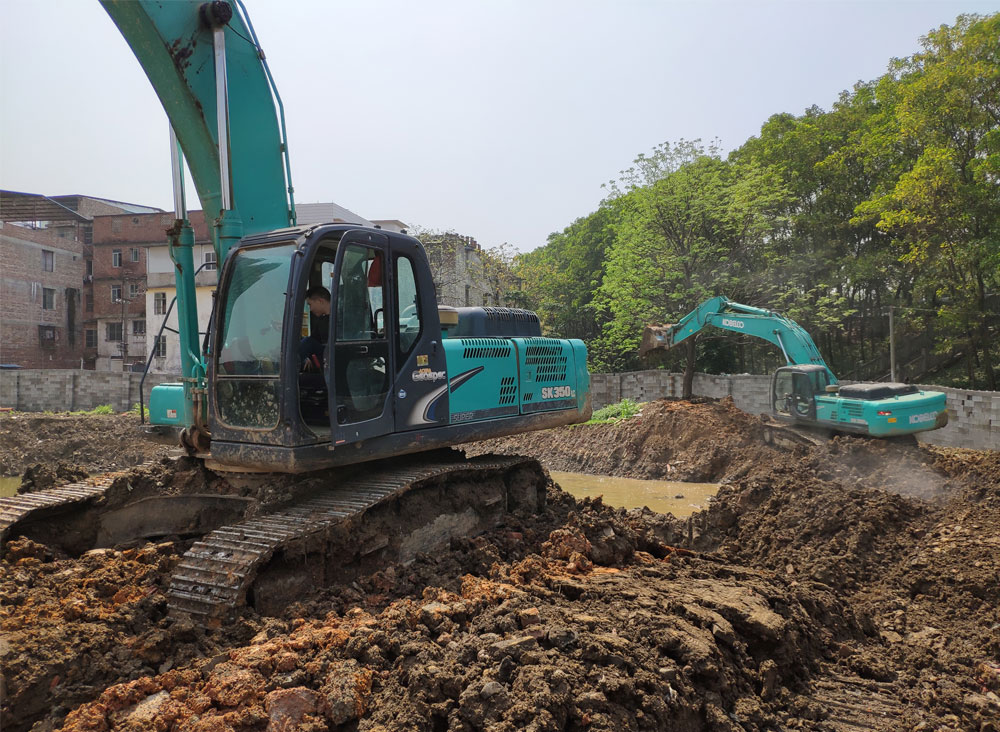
x=340 y=523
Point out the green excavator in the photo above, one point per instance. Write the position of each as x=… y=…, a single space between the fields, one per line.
x=805 y=392
x=393 y=374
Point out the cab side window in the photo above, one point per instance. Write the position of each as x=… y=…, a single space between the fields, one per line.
x=359 y=303
x=408 y=306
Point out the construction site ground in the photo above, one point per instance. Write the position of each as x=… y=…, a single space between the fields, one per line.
x=851 y=585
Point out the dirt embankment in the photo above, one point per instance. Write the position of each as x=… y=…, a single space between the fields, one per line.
x=88 y=443
x=701 y=442
x=811 y=598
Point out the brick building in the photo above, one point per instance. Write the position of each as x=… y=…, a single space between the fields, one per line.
x=123 y=246
x=41 y=324
x=45 y=266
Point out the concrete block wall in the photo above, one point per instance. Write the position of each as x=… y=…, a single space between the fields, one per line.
x=974 y=416
x=67 y=390
x=974 y=419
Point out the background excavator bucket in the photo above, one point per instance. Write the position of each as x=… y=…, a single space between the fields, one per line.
x=655 y=336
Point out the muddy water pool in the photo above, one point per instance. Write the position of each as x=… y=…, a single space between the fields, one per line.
x=9 y=486
x=663 y=496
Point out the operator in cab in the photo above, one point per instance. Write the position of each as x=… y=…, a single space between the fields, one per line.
x=312 y=346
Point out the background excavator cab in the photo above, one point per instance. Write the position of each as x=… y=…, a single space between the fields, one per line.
x=794 y=390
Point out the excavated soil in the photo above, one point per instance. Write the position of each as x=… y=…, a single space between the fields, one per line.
x=699 y=442
x=850 y=586
x=52 y=443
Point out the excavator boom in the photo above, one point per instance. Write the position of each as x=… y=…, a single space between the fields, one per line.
x=175 y=44
x=795 y=343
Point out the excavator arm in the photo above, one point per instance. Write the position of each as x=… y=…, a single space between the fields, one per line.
x=796 y=345
x=175 y=44
x=210 y=75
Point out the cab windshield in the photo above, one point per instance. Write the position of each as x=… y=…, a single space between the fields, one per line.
x=254 y=310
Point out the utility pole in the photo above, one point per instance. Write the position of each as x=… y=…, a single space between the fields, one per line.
x=892 y=346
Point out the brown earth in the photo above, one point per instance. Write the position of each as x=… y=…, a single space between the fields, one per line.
x=89 y=442
x=699 y=442
x=851 y=586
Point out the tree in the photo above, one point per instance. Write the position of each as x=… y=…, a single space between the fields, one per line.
x=690 y=226
x=943 y=212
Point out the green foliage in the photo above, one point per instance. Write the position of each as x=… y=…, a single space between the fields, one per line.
x=138 y=410
x=890 y=198
x=625 y=409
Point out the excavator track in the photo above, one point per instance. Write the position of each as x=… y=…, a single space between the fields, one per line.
x=270 y=559
x=16 y=510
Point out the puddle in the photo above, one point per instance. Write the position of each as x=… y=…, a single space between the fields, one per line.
x=9 y=486
x=663 y=496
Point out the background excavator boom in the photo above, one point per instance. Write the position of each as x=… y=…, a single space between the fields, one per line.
x=796 y=345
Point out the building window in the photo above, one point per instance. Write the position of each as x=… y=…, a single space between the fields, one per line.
x=47 y=336
x=113 y=331
x=48 y=261
x=138 y=327
x=133 y=289
x=91 y=338
x=135 y=254
x=209 y=261
x=159 y=303
x=468 y=295
x=90 y=267
x=160 y=347
x=116 y=293
x=48 y=299
x=89 y=303
x=116 y=257
x=116 y=226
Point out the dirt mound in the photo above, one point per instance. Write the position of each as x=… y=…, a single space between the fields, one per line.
x=41 y=477
x=854 y=516
x=585 y=631
x=92 y=442
x=670 y=439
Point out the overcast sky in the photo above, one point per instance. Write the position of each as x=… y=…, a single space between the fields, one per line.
x=496 y=119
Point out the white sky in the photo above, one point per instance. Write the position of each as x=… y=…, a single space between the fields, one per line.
x=496 y=119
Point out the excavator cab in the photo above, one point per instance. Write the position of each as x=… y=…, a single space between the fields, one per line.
x=794 y=390
x=265 y=410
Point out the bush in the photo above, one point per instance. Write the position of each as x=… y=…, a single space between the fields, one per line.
x=623 y=410
x=139 y=411
x=102 y=409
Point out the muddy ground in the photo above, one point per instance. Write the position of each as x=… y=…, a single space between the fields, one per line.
x=849 y=586
x=84 y=442
x=701 y=442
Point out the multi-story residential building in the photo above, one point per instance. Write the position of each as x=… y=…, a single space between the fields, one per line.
x=121 y=252
x=46 y=267
x=40 y=319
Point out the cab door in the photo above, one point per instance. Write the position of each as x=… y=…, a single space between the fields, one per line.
x=360 y=360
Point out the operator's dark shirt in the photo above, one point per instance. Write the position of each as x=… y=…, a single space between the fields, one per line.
x=320 y=327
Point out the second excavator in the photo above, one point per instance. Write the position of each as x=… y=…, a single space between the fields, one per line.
x=805 y=391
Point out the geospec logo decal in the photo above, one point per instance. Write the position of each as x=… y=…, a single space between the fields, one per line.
x=428 y=375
